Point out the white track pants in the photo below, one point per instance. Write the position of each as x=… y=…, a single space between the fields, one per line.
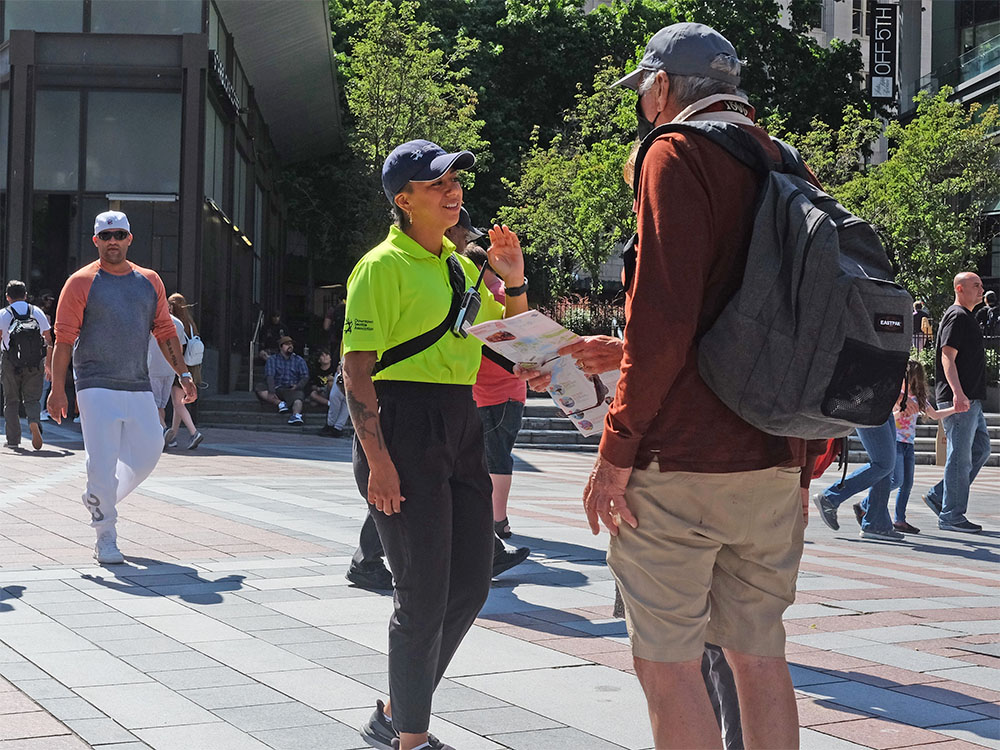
x=123 y=441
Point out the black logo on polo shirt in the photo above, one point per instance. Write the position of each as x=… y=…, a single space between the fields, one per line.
x=889 y=323
x=357 y=324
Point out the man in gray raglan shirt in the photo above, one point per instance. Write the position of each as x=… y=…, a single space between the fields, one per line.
x=105 y=314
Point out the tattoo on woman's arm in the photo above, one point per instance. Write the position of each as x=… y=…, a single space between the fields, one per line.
x=361 y=416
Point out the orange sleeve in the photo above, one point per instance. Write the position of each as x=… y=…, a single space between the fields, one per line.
x=72 y=302
x=163 y=326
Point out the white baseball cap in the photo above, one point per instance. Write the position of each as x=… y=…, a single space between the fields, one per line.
x=111 y=220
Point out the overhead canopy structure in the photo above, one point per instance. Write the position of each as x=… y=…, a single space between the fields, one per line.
x=287 y=53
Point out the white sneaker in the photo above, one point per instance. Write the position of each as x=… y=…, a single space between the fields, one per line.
x=106 y=550
x=282 y=407
x=44 y=416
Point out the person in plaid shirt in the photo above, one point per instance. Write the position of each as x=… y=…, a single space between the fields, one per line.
x=287 y=374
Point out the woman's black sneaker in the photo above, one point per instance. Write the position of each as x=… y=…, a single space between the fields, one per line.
x=502 y=528
x=373 y=579
x=378 y=731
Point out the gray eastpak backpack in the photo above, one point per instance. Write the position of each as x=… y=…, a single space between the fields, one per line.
x=816 y=340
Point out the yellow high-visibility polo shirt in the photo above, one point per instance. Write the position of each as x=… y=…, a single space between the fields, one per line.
x=399 y=290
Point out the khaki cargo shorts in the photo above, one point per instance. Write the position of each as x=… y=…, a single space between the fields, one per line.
x=715 y=558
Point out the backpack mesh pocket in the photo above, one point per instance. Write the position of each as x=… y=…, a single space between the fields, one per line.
x=865 y=384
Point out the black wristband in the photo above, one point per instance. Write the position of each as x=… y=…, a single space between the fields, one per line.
x=516 y=291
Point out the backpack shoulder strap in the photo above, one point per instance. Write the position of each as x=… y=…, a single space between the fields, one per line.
x=396 y=354
x=15 y=314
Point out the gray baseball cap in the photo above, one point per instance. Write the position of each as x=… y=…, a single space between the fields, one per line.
x=687 y=49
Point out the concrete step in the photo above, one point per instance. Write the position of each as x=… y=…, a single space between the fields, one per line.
x=555 y=437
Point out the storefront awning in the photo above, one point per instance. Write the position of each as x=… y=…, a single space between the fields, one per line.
x=286 y=51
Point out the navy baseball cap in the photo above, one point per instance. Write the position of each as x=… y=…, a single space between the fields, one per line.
x=465 y=221
x=687 y=49
x=419 y=161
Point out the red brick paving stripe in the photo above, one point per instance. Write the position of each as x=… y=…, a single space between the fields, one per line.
x=881 y=734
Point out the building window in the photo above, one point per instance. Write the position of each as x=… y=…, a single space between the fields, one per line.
x=215 y=154
x=814 y=15
x=147 y=17
x=51 y=15
x=133 y=142
x=57 y=140
x=995 y=257
x=4 y=129
x=240 y=169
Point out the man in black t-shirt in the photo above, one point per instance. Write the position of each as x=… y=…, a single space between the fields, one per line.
x=960 y=381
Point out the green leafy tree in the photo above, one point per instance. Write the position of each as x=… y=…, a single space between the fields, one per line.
x=398 y=86
x=928 y=200
x=570 y=202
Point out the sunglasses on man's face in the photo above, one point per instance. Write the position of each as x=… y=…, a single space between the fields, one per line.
x=118 y=234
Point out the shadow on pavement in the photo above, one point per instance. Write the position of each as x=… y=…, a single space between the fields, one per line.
x=128 y=579
x=953 y=699
x=44 y=452
x=10 y=592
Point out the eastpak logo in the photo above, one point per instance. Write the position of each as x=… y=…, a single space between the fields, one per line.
x=889 y=323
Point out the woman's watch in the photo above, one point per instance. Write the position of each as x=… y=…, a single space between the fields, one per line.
x=187 y=375
x=516 y=291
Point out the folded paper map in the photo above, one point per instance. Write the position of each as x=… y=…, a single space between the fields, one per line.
x=532 y=340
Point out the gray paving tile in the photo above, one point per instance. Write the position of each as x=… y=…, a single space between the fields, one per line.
x=236 y=696
x=889 y=704
x=488 y=721
x=263 y=623
x=249 y=655
x=21 y=670
x=355 y=665
x=319 y=737
x=985 y=733
x=202 y=677
x=810 y=739
x=461 y=698
x=107 y=633
x=296 y=635
x=176 y=660
x=145 y=705
x=96 y=619
x=127 y=746
x=100 y=731
x=89 y=668
x=276 y=596
x=278 y=716
x=332 y=648
x=802 y=676
x=985 y=677
x=902 y=657
x=554 y=739
x=193 y=628
x=80 y=605
x=45 y=688
x=321 y=689
x=215 y=736
x=70 y=708
x=155 y=644
x=43 y=638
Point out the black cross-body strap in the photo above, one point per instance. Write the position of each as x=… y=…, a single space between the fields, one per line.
x=417 y=344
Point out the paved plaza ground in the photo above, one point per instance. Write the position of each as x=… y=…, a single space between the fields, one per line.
x=232 y=627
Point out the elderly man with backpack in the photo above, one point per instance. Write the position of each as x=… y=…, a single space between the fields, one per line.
x=747 y=339
x=27 y=352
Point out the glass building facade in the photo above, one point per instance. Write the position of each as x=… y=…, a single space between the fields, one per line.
x=146 y=106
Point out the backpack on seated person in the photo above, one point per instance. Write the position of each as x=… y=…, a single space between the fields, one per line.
x=194 y=350
x=816 y=340
x=26 y=347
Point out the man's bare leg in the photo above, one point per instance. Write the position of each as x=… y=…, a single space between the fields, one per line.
x=767 y=701
x=679 y=709
x=501 y=491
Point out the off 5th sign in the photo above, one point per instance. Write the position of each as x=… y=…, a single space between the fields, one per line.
x=882 y=57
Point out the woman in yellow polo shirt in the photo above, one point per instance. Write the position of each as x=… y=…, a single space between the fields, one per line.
x=418 y=440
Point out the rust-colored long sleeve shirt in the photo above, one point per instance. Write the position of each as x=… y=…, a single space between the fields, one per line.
x=695 y=213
